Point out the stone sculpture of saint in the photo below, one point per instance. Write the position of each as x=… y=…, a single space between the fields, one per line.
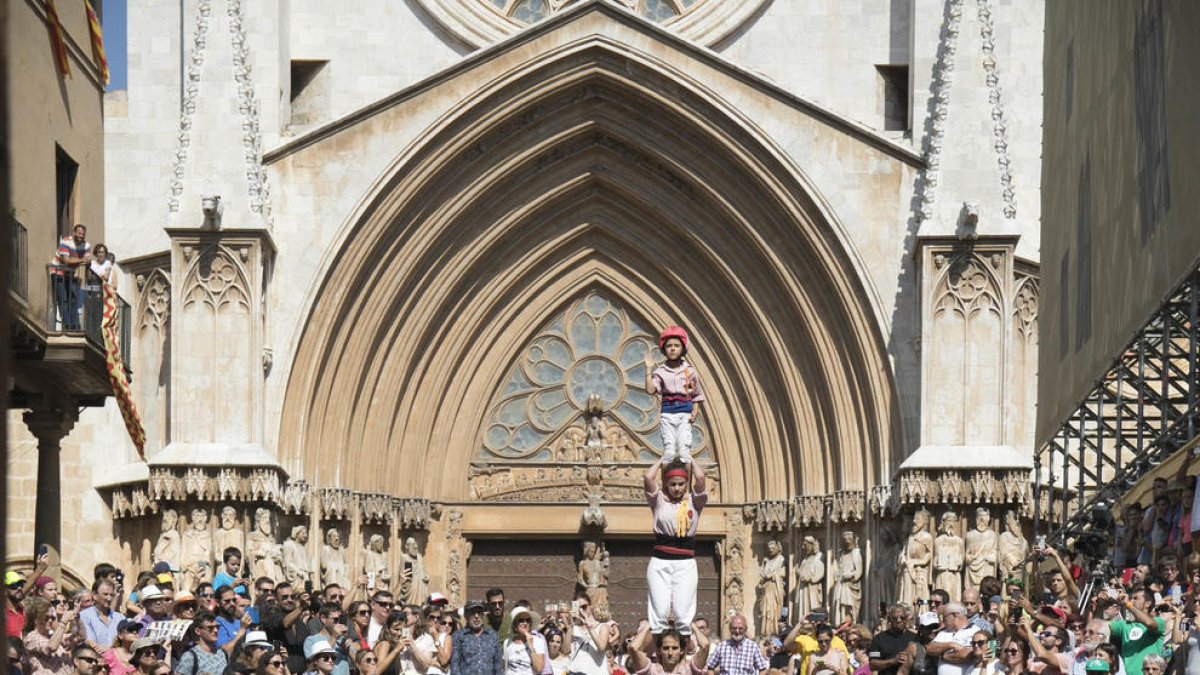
x=812 y=578
x=264 y=554
x=196 y=557
x=981 y=549
x=915 y=559
x=334 y=569
x=169 y=547
x=375 y=563
x=415 y=587
x=593 y=574
x=1013 y=547
x=847 y=585
x=770 y=588
x=948 y=557
x=229 y=535
x=297 y=567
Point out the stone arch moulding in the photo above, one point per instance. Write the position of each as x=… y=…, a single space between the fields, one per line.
x=594 y=165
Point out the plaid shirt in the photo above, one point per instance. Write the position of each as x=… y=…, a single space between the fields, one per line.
x=473 y=654
x=738 y=658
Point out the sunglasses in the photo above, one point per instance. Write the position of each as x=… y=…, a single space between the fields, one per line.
x=289 y=596
x=362 y=612
x=275 y=663
x=371 y=660
x=979 y=643
x=208 y=595
x=323 y=657
x=500 y=603
x=266 y=591
x=384 y=604
x=211 y=626
x=88 y=659
x=1012 y=651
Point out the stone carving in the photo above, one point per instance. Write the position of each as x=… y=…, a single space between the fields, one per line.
x=256 y=174
x=846 y=598
x=375 y=564
x=915 y=560
x=228 y=485
x=335 y=503
x=1025 y=308
x=948 y=556
x=375 y=508
x=131 y=502
x=197 y=554
x=556 y=484
x=155 y=304
x=297 y=567
x=593 y=514
x=809 y=511
x=294 y=499
x=811 y=574
x=191 y=89
x=999 y=124
x=771 y=581
x=169 y=547
x=919 y=487
x=228 y=535
x=592 y=573
x=1013 y=548
x=414 y=514
x=334 y=569
x=939 y=91
x=848 y=506
x=414 y=586
x=981 y=552
x=262 y=485
x=733 y=551
x=217 y=281
x=263 y=553
x=884 y=500
x=967 y=286
x=773 y=516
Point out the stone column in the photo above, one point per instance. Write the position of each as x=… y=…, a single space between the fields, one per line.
x=50 y=425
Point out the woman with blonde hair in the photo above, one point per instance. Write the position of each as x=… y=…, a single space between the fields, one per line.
x=49 y=639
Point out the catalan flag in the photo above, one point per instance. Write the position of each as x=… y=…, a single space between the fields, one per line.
x=97 y=41
x=114 y=361
x=56 y=40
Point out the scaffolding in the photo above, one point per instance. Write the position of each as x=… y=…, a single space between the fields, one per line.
x=1142 y=411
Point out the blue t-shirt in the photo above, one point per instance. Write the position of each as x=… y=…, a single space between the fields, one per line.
x=224 y=578
x=227 y=630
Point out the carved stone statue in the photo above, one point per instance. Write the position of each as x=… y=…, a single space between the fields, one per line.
x=847 y=586
x=915 y=560
x=334 y=569
x=264 y=554
x=297 y=568
x=1013 y=547
x=196 y=557
x=981 y=549
x=948 y=557
x=169 y=547
x=812 y=578
x=770 y=588
x=415 y=588
x=593 y=573
x=375 y=563
x=229 y=535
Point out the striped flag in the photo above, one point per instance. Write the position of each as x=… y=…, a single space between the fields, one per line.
x=114 y=360
x=97 y=41
x=56 y=40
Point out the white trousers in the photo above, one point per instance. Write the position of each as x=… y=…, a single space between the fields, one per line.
x=672 y=587
x=676 y=431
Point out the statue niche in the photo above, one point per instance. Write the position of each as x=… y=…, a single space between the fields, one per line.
x=771 y=578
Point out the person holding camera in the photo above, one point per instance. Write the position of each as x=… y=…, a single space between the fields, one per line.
x=802 y=640
x=334 y=633
x=285 y=622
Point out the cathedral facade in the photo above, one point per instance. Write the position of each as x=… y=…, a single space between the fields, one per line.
x=395 y=269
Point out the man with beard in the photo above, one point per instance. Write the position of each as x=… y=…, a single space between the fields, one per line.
x=889 y=650
x=1096 y=633
x=232 y=622
x=476 y=648
x=1143 y=635
x=284 y=623
x=1052 y=650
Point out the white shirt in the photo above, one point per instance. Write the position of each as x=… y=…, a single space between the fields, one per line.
x=960 y=638
x=517 y=660
x=373 y=632
x=585 y=657
x=429 y=648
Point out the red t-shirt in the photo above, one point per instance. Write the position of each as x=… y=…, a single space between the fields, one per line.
x=14 y=622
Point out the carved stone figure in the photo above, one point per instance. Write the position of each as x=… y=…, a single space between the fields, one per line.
x=915 y=559
x=196 y=556
x=229 y=535
x=414 y=588
x=297 y=568
x=593 y=573
x=334 y=569
x=771 y=588
x=1013 y=547
x=264 y=554
x=169 y=547
x=847 y=586
x=812 y=577
x=981 y=549
x=375 y=563
x=948 y=557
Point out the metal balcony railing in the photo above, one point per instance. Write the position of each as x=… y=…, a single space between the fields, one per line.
x=18 y=281
x=75 y=305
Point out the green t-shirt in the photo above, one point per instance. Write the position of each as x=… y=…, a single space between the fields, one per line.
x=1136 y=642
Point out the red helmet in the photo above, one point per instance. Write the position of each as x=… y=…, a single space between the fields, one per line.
x=672 y=332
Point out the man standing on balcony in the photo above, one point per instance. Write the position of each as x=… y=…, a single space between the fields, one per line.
x=69 y=262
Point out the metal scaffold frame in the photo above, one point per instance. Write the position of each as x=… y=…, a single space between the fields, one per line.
x=1138 y=414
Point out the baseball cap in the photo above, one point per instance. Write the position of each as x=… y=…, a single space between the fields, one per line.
x=163 y=567
x=12 y=578
x=928 y=620
x=472 y=606
x=1051 y=610
x=1097 y=665
x=437 y=599
x=129 y=626
x=142 y=643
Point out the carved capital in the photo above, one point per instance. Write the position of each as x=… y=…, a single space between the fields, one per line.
x=773 y=515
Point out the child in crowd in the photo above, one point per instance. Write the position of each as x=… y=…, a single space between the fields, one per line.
x=679 y=385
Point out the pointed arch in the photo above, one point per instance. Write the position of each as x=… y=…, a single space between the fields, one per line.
x=595 y=165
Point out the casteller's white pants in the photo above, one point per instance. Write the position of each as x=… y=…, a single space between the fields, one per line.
x=676 y=431
x=672 y=587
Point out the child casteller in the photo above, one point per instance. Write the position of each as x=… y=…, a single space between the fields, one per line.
x=677 y=382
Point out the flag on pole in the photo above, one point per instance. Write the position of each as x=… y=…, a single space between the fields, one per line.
x=97 y=41
x=56 y=40
x=116 y=371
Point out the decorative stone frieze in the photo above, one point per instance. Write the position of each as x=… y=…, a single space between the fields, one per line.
x=773 y=515
x=848 y=506
x=884 y=501
x=809 y=510
x=414 y=514
x=294 y=500
x=375 y=507
x=951 y=486
x=336 y=503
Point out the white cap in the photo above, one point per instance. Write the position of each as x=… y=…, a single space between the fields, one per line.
x=928 y=619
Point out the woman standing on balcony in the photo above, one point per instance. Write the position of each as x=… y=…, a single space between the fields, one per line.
x=101 y=269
